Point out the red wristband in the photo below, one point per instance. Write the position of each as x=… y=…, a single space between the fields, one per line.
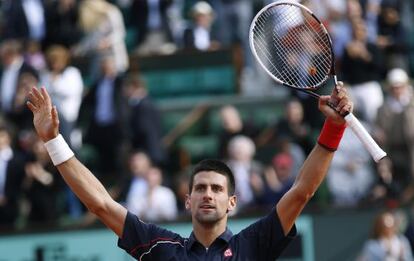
x=331 y=135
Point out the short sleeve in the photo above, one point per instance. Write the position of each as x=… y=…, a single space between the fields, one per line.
x=266 y=237
x=138 y=237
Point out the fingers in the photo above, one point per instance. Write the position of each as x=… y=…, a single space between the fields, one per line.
x=31 y=106
x=55 y=116
x=46 y=96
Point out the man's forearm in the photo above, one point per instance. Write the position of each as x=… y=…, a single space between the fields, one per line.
x=83 y=183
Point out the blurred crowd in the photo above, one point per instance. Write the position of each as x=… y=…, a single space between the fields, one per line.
x=105 y=106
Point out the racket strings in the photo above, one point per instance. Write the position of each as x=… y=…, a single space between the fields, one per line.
x=289 y=40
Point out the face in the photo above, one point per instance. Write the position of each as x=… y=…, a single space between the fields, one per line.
x=209 y=201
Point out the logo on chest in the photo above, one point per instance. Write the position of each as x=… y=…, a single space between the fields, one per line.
x=228 y=253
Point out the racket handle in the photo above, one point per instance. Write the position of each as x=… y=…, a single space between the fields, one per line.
x=376 y=152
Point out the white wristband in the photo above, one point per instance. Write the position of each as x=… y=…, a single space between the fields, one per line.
x=59 y=151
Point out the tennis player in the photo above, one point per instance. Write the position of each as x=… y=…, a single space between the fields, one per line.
x=210 y=199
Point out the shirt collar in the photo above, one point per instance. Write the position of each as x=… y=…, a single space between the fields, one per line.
x=225 y=236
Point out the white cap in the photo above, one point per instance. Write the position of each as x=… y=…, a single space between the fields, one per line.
x=397 y=76
x=202 y=7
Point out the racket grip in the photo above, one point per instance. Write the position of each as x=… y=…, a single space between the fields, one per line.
x=376 y=152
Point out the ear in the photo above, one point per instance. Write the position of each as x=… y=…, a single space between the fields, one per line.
x=232 y=203
x=187 y=202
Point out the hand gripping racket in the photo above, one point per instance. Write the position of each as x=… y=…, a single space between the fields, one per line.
x=295 y=49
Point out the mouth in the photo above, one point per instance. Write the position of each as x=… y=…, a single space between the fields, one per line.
x=207 y=207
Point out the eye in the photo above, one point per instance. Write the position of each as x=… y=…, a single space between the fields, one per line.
x=199 y=188
x=217 y=188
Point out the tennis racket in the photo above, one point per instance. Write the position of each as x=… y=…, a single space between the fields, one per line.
x=295 y=49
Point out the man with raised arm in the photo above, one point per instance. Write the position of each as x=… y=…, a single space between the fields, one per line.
x=210 y=199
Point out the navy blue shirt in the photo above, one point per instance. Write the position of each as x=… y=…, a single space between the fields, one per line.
x=262 y=240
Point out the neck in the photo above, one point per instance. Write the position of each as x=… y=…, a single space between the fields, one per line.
x=207 y=233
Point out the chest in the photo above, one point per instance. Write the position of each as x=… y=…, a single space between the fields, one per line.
x=180 y=253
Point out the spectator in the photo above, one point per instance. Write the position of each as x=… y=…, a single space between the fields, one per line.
x=395 y=129
x=135 y=184
x=19 y=115
x=278 y=178
x=152 y=23
x=65 y=85
x=386 y=242
x=362 y=69
x=11 y=176
x=291 y=127
x=102 y=118
x=144 y=121
x=13 y=65
x=392 y=36
x=232 y=125
x=200 y=35
x=41 y=186
x=62 y=23
x=351 y=175
x=24 y=20
x=241 y=150
x=104 y=34
x=158 y=204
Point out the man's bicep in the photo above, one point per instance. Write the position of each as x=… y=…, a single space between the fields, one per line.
x=289 y=208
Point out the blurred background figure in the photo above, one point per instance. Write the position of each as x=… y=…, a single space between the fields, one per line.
x=135 y=184
x=20 y=116
x=351 y=175
x=232 y=125
x=62 y=23
x=386 y=242
x=277 y=180
x=392 y=35
x=241 y=151
x=13 y=65
x=144 y=122
x=201 y=34
x=104 y=33
x=159 y=203
x=11 y=177
x=150 y=19
x=102 y=119
x=395 y=129
x=362 y=67
x=42 y=187
x=24 y=20
x=65 y=85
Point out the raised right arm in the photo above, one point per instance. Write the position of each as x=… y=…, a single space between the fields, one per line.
x=81 y=181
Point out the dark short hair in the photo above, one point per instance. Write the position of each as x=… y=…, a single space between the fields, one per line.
x=216 y=166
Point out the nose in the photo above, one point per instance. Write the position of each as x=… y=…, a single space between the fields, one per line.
x=208 y=194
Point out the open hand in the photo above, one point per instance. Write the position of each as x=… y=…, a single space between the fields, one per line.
x=45 y=116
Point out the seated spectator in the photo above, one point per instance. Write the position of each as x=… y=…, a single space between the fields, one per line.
x=150 y=19
x=362 y=68
x=386 y=242
x=395 y=126
x=200 y=34
x=277 y=180
x=241 y=151
x=65 y=85
x=351 y=175
x=42 y=187
x=290 y=127
x=11 y=176
x=232 y=125
x=158 y=203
